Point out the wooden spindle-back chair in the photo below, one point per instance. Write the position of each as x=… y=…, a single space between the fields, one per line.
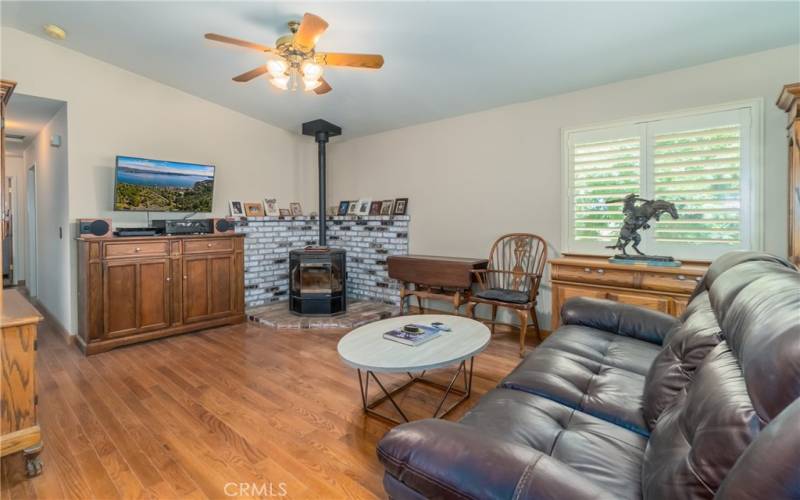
x=512 y=278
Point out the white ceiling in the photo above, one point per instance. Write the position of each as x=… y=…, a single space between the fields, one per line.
x=442 y=58
x=27 y=115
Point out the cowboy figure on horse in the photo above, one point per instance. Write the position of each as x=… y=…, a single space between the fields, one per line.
x=637 y=217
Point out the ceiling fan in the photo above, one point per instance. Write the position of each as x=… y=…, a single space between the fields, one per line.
x=295 y=59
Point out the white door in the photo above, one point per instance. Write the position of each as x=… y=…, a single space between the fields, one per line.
x=31 y=260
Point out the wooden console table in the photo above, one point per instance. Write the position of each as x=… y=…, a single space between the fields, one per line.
x=665 y=289
x=433 y=277
x=136 y=289
x=18 y=399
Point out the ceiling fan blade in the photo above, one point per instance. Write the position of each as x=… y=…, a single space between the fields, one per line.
x=236 y=41
x=246 y=77
x=324 y=88
x=311 y=27
x=372 y=61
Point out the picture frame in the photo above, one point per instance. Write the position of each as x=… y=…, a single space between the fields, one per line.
x=375 y=208
x=237 y=208
x=353 y=208
x=332 y=211
x=387 y=206
x=363 y=206
x=400 y=206
x=343 y=207
x=254 y=209
x=271 y=207
x=296 y=208
x=284 y=212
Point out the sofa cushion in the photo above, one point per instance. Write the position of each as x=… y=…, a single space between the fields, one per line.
x=607 y=392
x=604 y=347
x=603 y=453
x=684 y=349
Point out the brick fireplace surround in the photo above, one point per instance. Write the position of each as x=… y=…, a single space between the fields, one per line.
x=368 y=240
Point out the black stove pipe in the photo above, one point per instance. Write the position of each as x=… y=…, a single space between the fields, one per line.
x=322 y=139
x=322 y=131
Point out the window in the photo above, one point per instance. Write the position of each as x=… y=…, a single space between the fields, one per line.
x=706 y=163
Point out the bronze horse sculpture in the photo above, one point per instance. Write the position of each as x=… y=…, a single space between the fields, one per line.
x=637 y=217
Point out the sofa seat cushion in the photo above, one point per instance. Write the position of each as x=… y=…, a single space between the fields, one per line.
x=605 y=454
x=607 y=392
x=504 y=295
x=603 y=347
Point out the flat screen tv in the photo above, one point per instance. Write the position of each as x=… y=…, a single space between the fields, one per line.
x=162 y=186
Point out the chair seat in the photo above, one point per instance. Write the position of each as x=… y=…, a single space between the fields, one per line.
x=504 y=295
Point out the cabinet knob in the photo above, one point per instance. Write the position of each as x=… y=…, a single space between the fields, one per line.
x=600 y=271
x=698 y=278
x=681 y=277
x=209 y=245
x=138 y=249
x=185 y=277
x=587 y=269
x=168 y=278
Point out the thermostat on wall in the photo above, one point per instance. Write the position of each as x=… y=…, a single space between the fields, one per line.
x=55 y=141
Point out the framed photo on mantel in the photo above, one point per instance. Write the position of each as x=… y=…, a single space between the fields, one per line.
x=375 y=208
x=400 y=206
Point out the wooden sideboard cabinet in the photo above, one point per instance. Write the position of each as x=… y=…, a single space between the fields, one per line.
x=789 y=101
x=136 y=289
x=19 y=427
x=665 y=289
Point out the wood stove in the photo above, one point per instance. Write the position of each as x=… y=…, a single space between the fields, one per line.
x=318 y=275
x=317 y=281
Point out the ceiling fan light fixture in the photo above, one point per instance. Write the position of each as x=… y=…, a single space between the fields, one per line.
x=311 y=84
x=311 y=71
x=281 y=82
x=277 y=67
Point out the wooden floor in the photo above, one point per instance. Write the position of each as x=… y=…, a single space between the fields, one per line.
x=230 y=410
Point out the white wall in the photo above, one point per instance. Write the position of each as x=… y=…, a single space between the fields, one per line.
x=113 y=111
x=477 y=176
x=53 y=240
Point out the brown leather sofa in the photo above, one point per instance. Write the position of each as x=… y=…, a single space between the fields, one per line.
x=624 y=402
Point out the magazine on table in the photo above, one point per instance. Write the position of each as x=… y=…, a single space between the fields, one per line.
x=423 y=334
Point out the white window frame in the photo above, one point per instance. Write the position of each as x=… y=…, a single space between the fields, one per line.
x=751 y=180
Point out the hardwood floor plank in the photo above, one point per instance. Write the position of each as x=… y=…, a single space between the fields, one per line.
x=243 y=407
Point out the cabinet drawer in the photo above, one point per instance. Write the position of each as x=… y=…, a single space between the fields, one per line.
x=595 y=275
x=133 y=249
x=656 y=303
x=208 y=245
x=681 y=283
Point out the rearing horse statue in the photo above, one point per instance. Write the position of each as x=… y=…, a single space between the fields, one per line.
x=637 y=217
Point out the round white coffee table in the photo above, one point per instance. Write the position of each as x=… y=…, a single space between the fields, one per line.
x=369 y=353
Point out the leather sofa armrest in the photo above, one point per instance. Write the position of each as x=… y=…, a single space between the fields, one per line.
x=441 y=459
x=615 y=317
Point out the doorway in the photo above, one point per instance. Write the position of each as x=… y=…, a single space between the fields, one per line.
x=30 y=197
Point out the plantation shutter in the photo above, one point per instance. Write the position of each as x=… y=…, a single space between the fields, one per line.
x=604 y=168
x=703 y=163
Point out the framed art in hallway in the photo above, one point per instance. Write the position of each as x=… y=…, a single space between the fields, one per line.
x=271 y=206
x=400 y=206
x=343 y=207
x=284 y=212
x=352 y=208
x=255 y=209
x=386 y=207
x=296 y=208
x=237 y=208
x=375 y=208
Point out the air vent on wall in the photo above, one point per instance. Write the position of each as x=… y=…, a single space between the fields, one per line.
x=15 y=137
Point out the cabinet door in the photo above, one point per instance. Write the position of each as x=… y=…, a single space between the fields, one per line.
x=562 y=293
x=221 y=292
x=195 y=288
x=650 y=302
x=136 y=295
x=120 y=296
x=153 y=289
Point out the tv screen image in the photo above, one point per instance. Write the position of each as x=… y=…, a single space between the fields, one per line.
x=162 y=186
